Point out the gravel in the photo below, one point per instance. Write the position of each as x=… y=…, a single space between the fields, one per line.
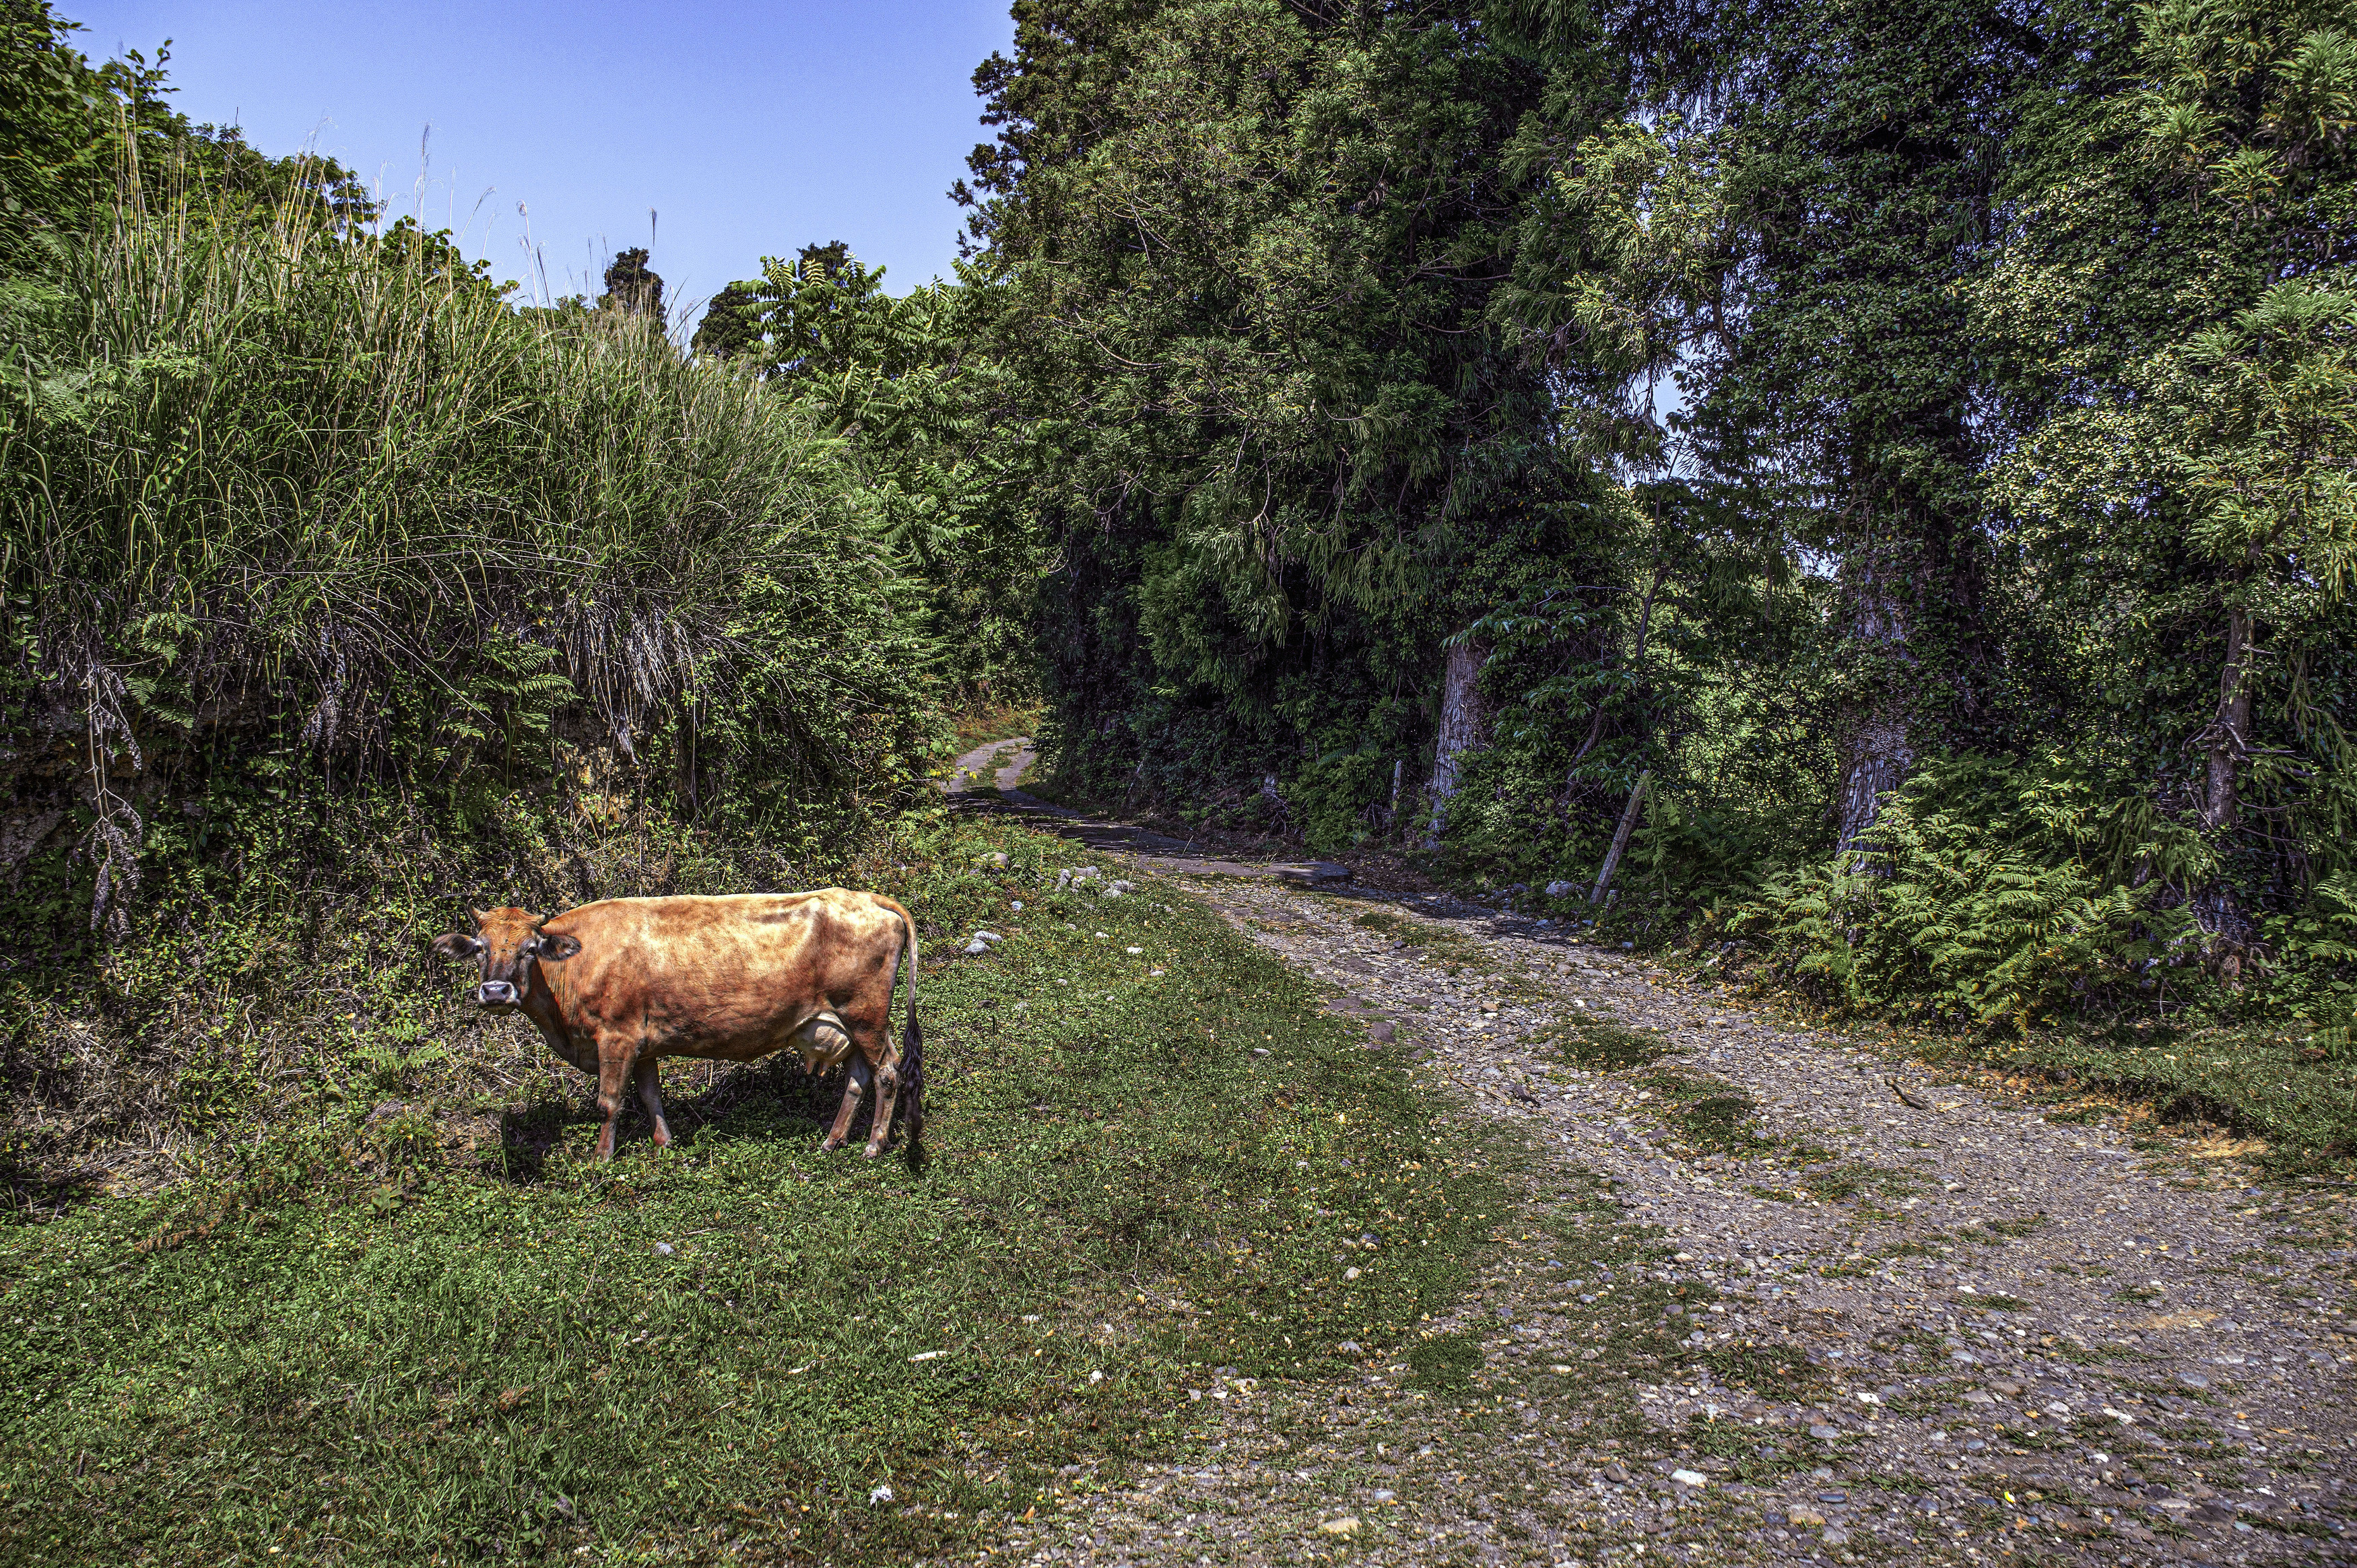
x=2004 y=1336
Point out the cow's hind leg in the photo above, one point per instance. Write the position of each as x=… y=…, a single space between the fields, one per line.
x=855 y=1089
x=650 y=1096
x=887 y=1090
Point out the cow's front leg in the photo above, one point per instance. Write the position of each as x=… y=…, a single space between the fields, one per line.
x=854 y=1088
x=615 y=1058
x=650 y=1096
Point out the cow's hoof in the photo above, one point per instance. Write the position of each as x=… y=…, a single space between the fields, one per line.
x=872 y=1150
x=828 y=1145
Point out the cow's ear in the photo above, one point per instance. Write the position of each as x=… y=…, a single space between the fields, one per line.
x=480 y=916
x=555 y=947
x=456 y=945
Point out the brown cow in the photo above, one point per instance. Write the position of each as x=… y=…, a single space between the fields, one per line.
x=615 y=985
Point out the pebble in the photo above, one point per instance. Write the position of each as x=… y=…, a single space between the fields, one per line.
x=2027 y=1241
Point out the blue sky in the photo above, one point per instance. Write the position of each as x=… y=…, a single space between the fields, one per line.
x=750 y=129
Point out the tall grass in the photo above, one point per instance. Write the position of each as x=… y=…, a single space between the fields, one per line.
x=269 y=473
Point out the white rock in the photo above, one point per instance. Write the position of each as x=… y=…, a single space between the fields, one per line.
x=1133 y=950
x=1688 y=1477
x=878 y=1495
x=1560 y=889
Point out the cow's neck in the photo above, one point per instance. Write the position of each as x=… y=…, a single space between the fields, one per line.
x=540 y=1006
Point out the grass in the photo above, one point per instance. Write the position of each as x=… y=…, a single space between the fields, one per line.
x=1601 y=1045
x=497 y=1357
x=990 y=719
x=1706 y=1113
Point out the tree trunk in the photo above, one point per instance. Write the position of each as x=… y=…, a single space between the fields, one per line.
x=1880 y=756
x=1878 y=751
x=1621 y=837
x=1464 y=727
x=2230 y=729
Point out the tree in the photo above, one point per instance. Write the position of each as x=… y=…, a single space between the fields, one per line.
x=1249 y=254
x=631 y=286
x=727 y=328
x=2173 y=309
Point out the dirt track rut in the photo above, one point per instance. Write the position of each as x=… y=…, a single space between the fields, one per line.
x=1757 y=1307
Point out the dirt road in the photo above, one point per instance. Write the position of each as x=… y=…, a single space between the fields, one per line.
x=1767 y=1297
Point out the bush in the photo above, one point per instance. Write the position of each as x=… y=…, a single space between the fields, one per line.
x=1991 y=895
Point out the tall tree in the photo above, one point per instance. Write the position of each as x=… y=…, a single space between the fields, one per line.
x=1249 y=252
x=2176 y=315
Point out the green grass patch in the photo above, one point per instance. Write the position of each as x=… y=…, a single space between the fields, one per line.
x=1706 y=1114
x=1845 y=1179
x=1599 y=1044
x=1770 y=1368
x=1446 y=1362
x=2256 y=1081
x=1997 y=1232
x=496 y=1358
x=1749 y=1456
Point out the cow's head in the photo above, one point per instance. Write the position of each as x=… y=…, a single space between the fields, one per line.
x=508 y=941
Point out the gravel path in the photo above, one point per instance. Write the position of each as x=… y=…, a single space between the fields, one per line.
x=1756 y=1306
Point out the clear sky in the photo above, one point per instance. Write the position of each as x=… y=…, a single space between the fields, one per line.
x=751 y=129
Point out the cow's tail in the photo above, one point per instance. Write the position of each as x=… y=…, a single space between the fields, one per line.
x=912 y=1041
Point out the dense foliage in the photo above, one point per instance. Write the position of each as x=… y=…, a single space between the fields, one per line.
x=1914 y=439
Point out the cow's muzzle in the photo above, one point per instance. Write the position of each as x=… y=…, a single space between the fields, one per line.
x=496 y=993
